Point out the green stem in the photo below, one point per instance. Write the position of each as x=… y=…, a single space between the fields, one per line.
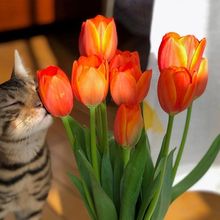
x=168 y=135
x=93 y=143
x=183 y=141
x=99 y=128
x=165 y=154
x=68 y=129
x=105 y=128
x=126 y=155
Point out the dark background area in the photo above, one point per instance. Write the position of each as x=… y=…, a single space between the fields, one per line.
x=60 y=22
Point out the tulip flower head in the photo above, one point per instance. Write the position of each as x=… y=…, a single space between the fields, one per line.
x=98 y=37
x=90 y=79
x=186 y=51
x=183 y=71
x=128 y=84
x=176 y=89
x=128 y=125
x=55 y=91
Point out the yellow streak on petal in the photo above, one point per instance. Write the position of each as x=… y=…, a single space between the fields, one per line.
x=151 y=119
x=197 y=57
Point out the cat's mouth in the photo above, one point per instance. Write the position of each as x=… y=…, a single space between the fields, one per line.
x=46 y=112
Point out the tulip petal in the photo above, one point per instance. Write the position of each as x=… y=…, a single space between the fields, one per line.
x=55 y=91
x=75 y=70
x=197 y=57
x=171 y=53
x=91 y=86
x=91 y=39
x=143 y=85
x=100 y=19
x=123 y=88
x=90 y=61
x=123 y=57
x=171 y=34
x=120 y=125
x=134 y=125
x=59 y=93
x=82 y=40
x=189 y=95
x=182 y=80
x=109 y=41
x=104 y=71
x=166 y=90
x=202 y=78
x=190 y=43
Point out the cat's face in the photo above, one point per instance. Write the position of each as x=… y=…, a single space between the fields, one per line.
x=21 y=111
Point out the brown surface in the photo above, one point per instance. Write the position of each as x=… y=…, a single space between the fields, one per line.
x=17 y=14
x=64 y=202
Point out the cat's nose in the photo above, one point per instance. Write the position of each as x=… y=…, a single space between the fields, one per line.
x=38 y=104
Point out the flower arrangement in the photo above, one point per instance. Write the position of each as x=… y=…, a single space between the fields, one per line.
x=118 y=178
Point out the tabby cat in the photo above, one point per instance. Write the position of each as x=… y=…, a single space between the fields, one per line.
x=24 y=159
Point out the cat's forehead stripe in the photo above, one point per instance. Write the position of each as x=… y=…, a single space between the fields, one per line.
x=13 y=84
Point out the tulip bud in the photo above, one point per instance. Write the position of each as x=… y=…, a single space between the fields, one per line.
x=176 y=89
x=55 y=91
x=187 y=52
x=128 y=125
x=128 y=84
x=90 y=79
x=98 y=37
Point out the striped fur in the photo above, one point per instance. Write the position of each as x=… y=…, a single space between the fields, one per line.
x=24 y=159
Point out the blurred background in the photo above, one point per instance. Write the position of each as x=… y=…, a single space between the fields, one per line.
x=46 y=33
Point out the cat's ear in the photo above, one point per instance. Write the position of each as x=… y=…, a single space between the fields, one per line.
x=19 y=68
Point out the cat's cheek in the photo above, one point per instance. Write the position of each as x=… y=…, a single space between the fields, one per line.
x=16 y=128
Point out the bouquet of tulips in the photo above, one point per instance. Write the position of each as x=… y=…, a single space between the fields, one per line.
x=118 y=178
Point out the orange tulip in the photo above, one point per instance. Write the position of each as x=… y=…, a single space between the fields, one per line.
x=123 y=58
x=55 y=91
x=128 y=84
x=128 y=125
x=186 y=51
x=98 y=37
x=176 y=89
x=90 y=79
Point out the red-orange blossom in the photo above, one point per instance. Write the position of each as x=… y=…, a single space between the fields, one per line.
x=90 y=79
x=98 y=36
x=55 y=91
x=183 y=71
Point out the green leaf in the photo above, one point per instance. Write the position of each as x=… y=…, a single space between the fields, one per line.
x=107 y=175
x=76 y=130
x=147 y=197
x=87 y=143
x=118 y=166
x=166 y=191
x=84 y=173
x=76 y=135
x=200 y=169
x=104 y=206
x=149 y=169
x=84 y=195
x=132 y=179
x=161 y=153
x=159 y=167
